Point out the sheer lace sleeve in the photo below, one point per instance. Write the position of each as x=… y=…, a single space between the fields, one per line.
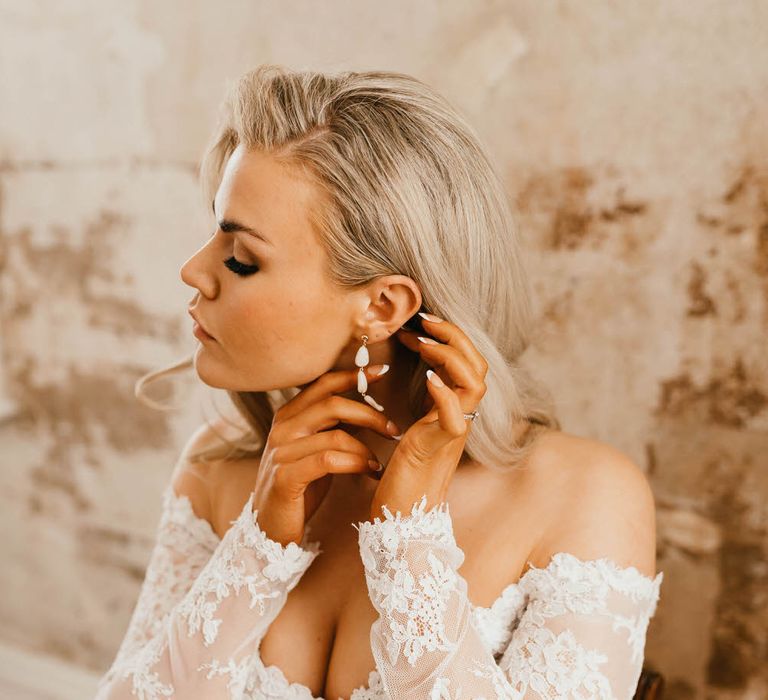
x=581 y=635
x=183 y=544
x=203 y=641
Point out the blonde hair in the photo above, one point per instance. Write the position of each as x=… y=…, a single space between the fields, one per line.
x=410 y=191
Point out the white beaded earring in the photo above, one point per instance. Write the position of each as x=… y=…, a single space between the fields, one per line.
x=361 y=360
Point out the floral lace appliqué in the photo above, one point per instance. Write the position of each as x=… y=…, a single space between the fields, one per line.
x=247 y=559
x=574 y=629
x=412 y=602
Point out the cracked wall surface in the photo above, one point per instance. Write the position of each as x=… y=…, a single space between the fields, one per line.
x=634 y=141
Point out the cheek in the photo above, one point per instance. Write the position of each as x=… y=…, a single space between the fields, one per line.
x=270 y=316
x=277 y=335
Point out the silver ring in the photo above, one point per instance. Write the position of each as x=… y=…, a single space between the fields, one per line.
x=471 y=416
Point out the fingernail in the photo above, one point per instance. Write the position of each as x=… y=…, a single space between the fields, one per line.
x=374 y=465
x=434 y=378
x=392 y=429
x=378 y=370
x=428 y=341
x=430 y=317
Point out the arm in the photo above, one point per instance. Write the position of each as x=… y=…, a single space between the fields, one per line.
x=581 y=634
x=206 y=644
x=184 y=542
x=183 y=545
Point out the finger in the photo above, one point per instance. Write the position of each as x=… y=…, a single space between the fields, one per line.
x=338 y=440
x=448 y=406
x=451 y=334
x=292 y=479
x=454 y=363
x=331 y=411
x=334 y=382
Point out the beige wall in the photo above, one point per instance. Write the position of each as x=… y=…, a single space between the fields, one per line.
x=634 y=137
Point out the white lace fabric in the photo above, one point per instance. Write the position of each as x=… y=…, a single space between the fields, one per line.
x=580 y=635
x=574 y=629
x=183 y=546
x=202 y=641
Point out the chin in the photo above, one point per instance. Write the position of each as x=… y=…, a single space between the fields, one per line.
x=208 y=372
x=216 y=377
x=219 y=375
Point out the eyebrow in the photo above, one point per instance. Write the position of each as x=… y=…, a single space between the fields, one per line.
x=229 y=226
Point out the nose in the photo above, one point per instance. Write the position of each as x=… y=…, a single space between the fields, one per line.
x=197 y=272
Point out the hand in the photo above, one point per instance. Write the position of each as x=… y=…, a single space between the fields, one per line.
x=430 y=450
x=300 y=456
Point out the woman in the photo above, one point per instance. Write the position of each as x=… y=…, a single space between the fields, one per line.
x=364 y=303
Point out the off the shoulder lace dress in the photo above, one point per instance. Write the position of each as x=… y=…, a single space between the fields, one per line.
x=573 y=629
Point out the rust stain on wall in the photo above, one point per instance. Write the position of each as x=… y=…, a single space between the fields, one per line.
x=572 y=218
x=88 y=403
x=728 y=399
x=679 y=689
x=651 y=460
x=104 y=547
x=77 y=416
x=739 y=636
x=582 y=209
x=73 y=269
x=700 y=303
x=743 y=210
x=737 y=298
x=716 y=473
x=761 y=264
x=558 y=309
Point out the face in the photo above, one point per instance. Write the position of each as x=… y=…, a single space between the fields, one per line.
x=275 y=318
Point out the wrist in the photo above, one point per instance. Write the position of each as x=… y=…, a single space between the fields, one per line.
x=405 y=506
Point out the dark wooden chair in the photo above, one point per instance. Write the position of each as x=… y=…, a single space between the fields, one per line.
x=649 y=686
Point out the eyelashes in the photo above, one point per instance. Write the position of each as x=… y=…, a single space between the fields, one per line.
x=239 y=268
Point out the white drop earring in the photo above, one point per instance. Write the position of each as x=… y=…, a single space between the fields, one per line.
x=362 y=358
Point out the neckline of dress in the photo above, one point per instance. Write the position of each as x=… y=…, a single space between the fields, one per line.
x=505 y=593
x=202 y=523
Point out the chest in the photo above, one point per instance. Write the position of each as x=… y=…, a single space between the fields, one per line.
x=321 y=637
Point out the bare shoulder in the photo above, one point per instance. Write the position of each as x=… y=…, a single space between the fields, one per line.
x=214 y=487
x=190 y=478
x=602 y=500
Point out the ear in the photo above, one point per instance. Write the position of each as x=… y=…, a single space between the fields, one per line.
x=391 y=302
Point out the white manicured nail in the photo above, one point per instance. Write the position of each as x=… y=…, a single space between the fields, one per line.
x=428 y=341
x=434 y=378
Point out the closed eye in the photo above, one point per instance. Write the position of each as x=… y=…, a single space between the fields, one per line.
x=240 y=268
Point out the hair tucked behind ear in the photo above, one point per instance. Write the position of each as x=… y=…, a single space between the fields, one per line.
x=411 y=191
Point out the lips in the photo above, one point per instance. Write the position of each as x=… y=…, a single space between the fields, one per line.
x=197 y=320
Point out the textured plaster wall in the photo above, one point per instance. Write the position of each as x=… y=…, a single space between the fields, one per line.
x=634 y=140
